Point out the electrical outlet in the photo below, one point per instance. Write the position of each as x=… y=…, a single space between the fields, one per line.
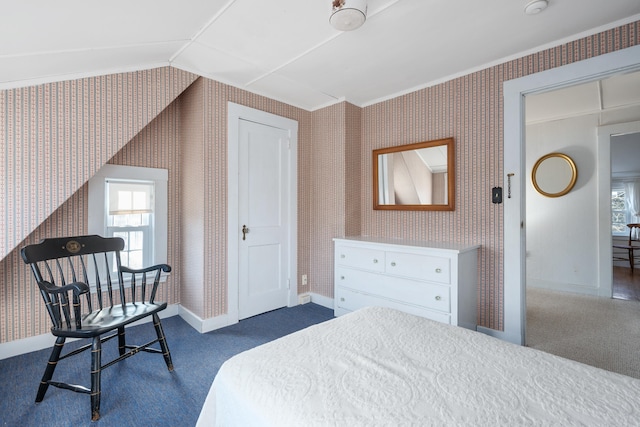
x=304 y=280
x=304 y=299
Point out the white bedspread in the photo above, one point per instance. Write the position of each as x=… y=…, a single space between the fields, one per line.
x=379 y=366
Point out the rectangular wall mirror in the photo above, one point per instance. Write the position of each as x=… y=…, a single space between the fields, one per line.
x=415 y=177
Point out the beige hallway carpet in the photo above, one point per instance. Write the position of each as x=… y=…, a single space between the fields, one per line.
x=601 y=332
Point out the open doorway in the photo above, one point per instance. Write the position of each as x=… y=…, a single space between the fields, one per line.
x=568 y=238
x=619 y=62
x=625 y=179
x=570 y=276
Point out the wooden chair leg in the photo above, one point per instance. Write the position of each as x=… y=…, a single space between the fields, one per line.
x=631 y=259
x=163 y=342
x=51 y=367
x=96 y=366
x=121 y=341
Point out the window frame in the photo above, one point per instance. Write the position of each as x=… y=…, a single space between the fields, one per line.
x=98 y=203
x=148 y=230
x=619 y=186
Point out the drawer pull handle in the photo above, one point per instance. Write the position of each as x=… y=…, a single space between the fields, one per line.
x=393 y=264
x=438 y=270
x=438 y=297
x=341 y=277
x=343 y=256
x=341 y=299
x=375 y=261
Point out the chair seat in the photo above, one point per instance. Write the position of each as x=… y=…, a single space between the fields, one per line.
x=627 y=247
x=107 y=319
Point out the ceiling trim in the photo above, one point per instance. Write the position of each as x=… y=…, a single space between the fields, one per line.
x=204 y=28
x=78 y=76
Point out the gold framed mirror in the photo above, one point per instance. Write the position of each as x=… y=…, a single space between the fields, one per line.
x=415 y=177
x=554 y=175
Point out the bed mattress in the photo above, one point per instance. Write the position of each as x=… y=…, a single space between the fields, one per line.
x=379 y=366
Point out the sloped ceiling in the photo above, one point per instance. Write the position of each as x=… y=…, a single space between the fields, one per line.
x=286 y=49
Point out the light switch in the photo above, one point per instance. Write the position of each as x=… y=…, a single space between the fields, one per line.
x=496 y=194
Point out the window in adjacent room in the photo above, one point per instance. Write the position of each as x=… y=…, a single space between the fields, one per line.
x=619 y=214
x=131 y=203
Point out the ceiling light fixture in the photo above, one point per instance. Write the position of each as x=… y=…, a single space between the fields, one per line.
x=347 y=15
x=535 y=6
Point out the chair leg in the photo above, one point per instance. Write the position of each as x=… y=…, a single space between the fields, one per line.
x=163 y=342
x=51 y=366
x=121 y=341
x=96 y=366
x=631 y=259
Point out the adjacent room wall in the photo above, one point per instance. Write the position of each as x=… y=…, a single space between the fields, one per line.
x=562 y=233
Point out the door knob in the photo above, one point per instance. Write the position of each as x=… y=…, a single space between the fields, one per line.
x=245 y=230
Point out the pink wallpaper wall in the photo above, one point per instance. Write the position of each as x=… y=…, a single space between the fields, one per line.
x=55 y=136
x=193 y=171
x=22 y=312
x=335 y=180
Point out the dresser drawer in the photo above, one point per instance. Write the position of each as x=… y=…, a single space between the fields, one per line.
x=421 y=267
x=436 y=280
x=433 y=296
x=367 y=259
x=347 y=300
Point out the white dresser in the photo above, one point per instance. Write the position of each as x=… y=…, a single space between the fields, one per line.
x=434 y=280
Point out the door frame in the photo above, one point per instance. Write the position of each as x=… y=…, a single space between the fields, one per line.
x=514 y=166
x=235 y=113
x=605 y=239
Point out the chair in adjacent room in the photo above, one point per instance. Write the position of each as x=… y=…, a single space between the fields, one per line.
x=631 y=250
x=75 y=274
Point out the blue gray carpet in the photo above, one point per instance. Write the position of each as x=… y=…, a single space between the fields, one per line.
x=140 y=391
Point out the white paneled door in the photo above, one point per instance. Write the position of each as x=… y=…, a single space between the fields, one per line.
x=263 y=249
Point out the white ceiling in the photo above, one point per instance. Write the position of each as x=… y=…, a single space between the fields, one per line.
x=286 y=49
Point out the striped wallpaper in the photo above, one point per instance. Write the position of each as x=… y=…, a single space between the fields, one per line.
x=53 y=137
x=22 y=312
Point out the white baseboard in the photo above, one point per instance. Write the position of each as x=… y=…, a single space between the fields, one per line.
x=563 y=287
x=26 y=345
x=499 y=334
x=39 y=342
x=321 y=300
x=205 y=325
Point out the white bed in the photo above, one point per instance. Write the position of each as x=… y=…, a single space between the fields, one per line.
x=379 y=366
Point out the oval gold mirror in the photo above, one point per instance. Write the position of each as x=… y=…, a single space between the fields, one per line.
x=554 y=175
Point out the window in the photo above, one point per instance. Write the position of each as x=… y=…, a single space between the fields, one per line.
x=131 y=202
x=619 y=212
x=130 y=215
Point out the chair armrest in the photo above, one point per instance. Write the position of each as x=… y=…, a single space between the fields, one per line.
x=164 y=267
x=156 y=269
x=78 y=288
